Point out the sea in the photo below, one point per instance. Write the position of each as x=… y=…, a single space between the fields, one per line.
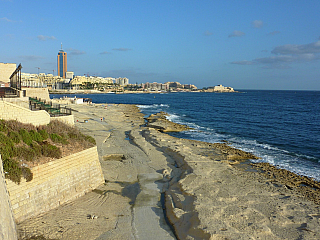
x=280 y=127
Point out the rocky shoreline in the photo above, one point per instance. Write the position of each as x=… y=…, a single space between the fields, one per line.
x=161 y=187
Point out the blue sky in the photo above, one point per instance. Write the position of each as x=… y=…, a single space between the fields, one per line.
x=243 y=44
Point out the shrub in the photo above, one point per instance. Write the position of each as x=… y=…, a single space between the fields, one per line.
x=7 y=151
x=7 y=148
x=15 y=136
x=12 y=170
x=58 y=127
x=57 y=138
x=27 y=174
x=35 y=136
x=90 y=139
x=44 y=134
x=14 y=125
x=37 y=148
x=26 y=153
x=25 y=136
x=5 y=140
x=3 y=126
x=49 y=150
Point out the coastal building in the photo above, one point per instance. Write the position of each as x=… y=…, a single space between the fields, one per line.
x=62 y=63
x=122 y=81
x=69 y=75
x=220 y=88
x=155 y=86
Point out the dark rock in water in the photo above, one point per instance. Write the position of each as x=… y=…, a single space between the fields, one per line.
x=233 y=153
x=160 y=122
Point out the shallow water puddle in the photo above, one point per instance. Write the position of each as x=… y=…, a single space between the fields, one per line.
x=129 y=190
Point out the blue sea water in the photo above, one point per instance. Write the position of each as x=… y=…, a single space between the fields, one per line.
x=280 y=127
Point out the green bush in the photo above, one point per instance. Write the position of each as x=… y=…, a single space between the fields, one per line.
x=27 y=174
x=5 y=140
x=49 y=150
x=37 y=148
x=26 y=153
x=12 y=170
x=7 y=151
x=90 y=139
x=14 y=136
x=44 y=134
x=35 y=136
x=26 y=138
x=3 y=126
x=12 y=149
x=57 y=138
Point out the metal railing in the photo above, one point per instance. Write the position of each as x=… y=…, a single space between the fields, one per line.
x=53 y=109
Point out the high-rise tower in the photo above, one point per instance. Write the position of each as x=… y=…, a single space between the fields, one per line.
x=62 y=63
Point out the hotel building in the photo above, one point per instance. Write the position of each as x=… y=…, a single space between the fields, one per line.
x=62 y=63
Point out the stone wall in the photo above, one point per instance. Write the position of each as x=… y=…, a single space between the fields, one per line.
x=68 y=119
x=42 y=93
x=55 y=183
x=7 y=224
x=10 y=111
x=21 y=101
x=6 y=70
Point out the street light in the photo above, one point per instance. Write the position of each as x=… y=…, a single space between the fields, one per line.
x=38 y=73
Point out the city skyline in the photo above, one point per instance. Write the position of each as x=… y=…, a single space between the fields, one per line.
x=241 y=44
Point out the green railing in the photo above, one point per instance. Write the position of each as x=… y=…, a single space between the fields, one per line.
x=53 y=109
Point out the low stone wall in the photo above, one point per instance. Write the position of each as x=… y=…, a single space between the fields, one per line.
x=10 y=111
x=42 y=93
x=21 y=101
x=55 y=183
x=69 y=119
x=7 y=224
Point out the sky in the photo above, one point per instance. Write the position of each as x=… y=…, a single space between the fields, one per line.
x=244 y=44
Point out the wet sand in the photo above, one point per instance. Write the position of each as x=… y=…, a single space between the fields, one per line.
x=161 y=187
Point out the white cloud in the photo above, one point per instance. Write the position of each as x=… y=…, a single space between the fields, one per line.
x=45 y=38
x=273 y=33
x=31 y=58
x=6 y=19
x=208 y=33
x=286 y=54
x=236 y=34
x=297 y=49
x=244 y=62
x=75 y=52
x=257 y=24
x=105 y=52
x=122 y=49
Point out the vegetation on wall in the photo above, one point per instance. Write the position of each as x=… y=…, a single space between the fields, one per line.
x=24 y=144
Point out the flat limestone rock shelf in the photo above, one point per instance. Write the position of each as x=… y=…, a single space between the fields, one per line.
x=128 y=205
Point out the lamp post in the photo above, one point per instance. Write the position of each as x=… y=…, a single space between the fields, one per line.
x=38 y=75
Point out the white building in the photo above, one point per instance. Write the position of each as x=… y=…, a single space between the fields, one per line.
x=122 y=81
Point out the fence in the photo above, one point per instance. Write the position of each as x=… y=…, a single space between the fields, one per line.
x=54 y=110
